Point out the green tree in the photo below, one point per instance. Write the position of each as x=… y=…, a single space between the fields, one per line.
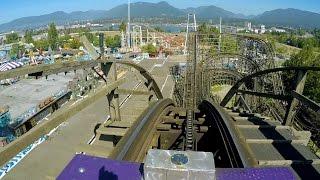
x=64 y=39
x=12 y=38
x=151 y=49
x=28 y=36
x=159 y=29
x=74 y=44
x=123 y=27
x=42 y=44
x=306 y=57
x=92 y=38
x=113 y=42
x=16 y=50
x=53 y=36
x=204 y=29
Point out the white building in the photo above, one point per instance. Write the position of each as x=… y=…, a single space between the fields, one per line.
x=40 y=36
x=263 y=29
x=248 y=26
x=274 y=29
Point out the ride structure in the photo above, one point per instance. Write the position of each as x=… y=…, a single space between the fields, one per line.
x=255 y=116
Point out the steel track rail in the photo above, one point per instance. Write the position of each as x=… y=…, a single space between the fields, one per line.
x=232 y=142
x=130 y=146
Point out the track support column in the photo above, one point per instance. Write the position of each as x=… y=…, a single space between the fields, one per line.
x=293 y=102
x=110 y=70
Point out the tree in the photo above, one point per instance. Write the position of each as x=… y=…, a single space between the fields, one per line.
x=74 y=44
x=28 y=37
x=12 y=38
x=113 y=42
x=159 y=29
x=64 y=39
x=16 y=51
x=53 y=36
x=149 y=49
x=92 y=38
x=123 y=27
x=204 y=29
x=42 y=44
x=306 y=57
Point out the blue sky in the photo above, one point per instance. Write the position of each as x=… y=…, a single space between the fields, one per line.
x=12 y=9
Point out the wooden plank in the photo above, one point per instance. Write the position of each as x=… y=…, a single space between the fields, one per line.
x=179 y=110
x=164 y=127
x=203 y=129
x=239 y=118
x=261 y=126
x=134 y=92
x=171 y=120
x=200 y=121
x=112 y=131
x=120 y=124
x=276 y=141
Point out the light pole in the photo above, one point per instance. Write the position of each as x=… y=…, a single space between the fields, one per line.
x=128 y=28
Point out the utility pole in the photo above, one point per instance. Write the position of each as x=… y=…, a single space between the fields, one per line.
x=220 y=33
x=185 y=43
x=187 y=32
x=140 y=35
x=195 y=22
x=123 y=42
x=128 y=28
x=147 y=35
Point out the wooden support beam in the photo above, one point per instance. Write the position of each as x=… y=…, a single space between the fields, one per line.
x=306 y=101
x=293 y=102
x=244 y=103
x=90 y=48
x=133 y=92
x=266 y=95
x=109 y=69
x=171 y=120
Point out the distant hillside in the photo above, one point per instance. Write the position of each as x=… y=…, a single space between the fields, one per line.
x=280 y=17
x=139 y=9
x=58 y=17
x=290 y=17
x=144 y=9
x=209 y=12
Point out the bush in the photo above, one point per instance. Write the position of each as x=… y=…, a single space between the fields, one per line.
x=149 y=49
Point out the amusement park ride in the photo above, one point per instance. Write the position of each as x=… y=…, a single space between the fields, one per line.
x=250 y=133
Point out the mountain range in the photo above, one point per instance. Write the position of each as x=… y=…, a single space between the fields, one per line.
x=280 y=17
